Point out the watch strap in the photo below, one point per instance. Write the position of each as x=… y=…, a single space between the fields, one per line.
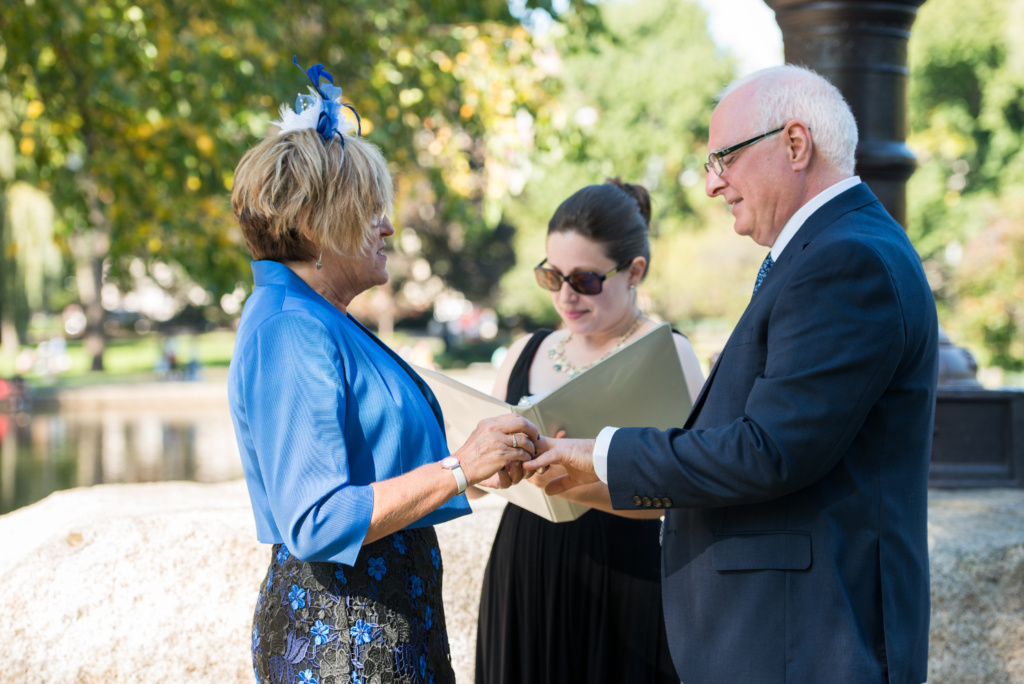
x=460 y=477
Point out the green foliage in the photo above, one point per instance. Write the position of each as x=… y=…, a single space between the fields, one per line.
x=637 y=102
x=964 y=211
x=132 y=116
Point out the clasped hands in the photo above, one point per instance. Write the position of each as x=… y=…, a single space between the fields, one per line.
x=503 y=450
x=576 y=456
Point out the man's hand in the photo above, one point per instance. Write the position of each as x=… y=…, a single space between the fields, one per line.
x=575 y=455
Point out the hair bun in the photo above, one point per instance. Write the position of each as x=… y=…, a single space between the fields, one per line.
x=638 y=193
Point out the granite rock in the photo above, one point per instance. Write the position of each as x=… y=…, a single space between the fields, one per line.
x=157 y=582
x=976 y=549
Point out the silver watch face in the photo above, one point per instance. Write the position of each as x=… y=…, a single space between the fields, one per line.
x=450 y=462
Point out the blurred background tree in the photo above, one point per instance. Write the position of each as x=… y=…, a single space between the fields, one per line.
x=965 y=208
x=121 y=123
x=131 y=117
x=638 y=98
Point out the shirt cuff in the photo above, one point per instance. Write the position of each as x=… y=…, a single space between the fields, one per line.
x=604 y=440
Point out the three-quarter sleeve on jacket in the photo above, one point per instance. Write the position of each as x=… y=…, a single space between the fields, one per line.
x=295 y=397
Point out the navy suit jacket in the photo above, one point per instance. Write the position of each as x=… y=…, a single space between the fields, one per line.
x=795 y=540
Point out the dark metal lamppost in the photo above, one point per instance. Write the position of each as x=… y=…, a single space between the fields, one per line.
x=861 y=47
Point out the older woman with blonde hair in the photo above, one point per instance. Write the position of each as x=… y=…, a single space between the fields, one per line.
x=342 y=444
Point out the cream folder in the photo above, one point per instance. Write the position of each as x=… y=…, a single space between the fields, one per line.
x=641 y=385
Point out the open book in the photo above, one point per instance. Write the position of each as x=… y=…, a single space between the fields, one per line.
x=641 y=385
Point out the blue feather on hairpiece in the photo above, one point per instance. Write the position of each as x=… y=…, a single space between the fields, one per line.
x=321 y=109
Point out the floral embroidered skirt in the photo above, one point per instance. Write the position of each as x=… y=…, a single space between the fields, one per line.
x=380 y=621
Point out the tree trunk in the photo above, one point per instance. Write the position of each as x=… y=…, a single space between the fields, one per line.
x=90 y=249
x=12 y=291
x=8 y=341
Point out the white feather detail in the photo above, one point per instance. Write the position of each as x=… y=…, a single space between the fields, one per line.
x=309 y=115
x=291 y=121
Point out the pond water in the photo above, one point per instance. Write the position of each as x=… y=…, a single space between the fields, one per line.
x=147 y=432
x=44 y=452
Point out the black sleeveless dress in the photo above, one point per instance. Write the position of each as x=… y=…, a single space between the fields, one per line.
x=571 y=602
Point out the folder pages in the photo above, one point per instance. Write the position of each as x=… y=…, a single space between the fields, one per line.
x=640 y=385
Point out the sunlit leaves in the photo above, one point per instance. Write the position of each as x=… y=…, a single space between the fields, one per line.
x=967 y=129
x=133 y=115
x=636 y=105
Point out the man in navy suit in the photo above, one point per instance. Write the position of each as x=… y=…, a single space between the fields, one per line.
x=795 y=494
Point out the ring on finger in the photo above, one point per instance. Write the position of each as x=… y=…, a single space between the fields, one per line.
x=515 y=445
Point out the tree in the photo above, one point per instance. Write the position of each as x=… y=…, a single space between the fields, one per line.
x=132 y=117
x=966 y=111
x=637 y=102
x=128 y=119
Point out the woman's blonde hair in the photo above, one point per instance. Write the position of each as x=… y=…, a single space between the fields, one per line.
x=295 y=195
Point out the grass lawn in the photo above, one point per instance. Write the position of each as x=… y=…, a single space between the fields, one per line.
x=131 y=360
x=136 y=359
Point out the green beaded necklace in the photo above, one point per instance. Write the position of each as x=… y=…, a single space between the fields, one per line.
x=563 y=365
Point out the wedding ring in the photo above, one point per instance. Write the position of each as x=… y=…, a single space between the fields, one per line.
x=515 y=445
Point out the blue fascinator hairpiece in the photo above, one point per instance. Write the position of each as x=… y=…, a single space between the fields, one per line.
x=321 y=109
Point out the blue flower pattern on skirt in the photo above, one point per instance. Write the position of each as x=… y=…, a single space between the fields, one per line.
x=380 y=621
x=398 y=542
x=321 y=633
x=297 y=597
x=360 y=633
x=378 y=568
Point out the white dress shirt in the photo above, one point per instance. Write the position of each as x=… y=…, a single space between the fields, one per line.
x=604 y=438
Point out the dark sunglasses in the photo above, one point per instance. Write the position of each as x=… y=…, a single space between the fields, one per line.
x=584 y=282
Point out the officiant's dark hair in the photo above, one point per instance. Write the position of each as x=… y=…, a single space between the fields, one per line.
x=614 y=214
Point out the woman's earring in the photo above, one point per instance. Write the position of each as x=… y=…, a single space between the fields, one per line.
x=319 y=260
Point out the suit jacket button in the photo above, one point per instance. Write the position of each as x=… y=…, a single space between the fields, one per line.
x=657 y=502
x=636 y=499
x=667 y=501
x=647 y=501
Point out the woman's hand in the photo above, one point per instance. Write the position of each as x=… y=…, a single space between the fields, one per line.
x=498 y=442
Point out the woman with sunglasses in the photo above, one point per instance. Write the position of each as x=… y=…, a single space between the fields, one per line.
x=580 y=601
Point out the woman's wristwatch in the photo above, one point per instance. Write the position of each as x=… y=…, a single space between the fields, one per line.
x=452 y=464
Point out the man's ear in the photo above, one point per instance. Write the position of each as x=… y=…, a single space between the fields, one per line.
x=799 y=144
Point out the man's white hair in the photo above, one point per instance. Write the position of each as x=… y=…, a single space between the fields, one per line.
x=792 y=92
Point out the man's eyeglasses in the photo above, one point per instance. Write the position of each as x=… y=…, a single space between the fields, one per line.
x=715 y=158
x=584 y=282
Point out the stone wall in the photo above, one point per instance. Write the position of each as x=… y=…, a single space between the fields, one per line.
x=156 y=583
x=976 y=547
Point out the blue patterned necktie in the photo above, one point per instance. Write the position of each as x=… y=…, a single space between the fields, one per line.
x=766 y=266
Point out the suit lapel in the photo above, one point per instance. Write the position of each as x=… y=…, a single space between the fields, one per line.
x=857 y=197
x=703 y=393
x=853 y=199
